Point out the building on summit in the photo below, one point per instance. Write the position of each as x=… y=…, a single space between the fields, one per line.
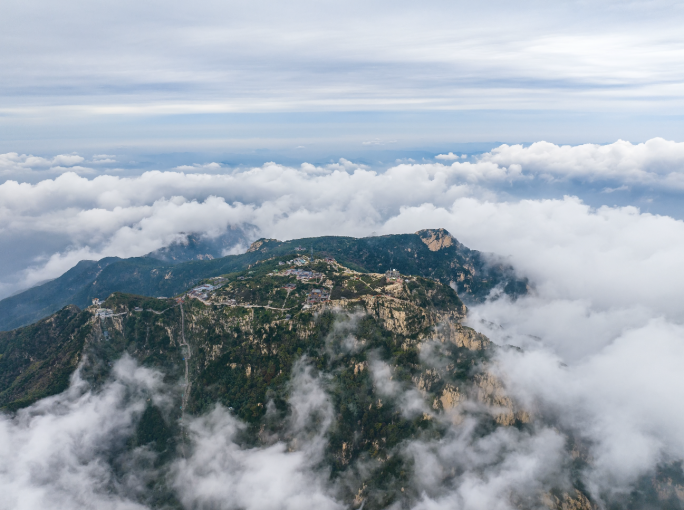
x=392 y=274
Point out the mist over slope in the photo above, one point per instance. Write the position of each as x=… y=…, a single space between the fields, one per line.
x=263 y=393
x=470 y=425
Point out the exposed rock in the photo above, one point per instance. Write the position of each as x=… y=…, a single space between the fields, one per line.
x=425 y=381
x=462 y=336
x=576 y=501
x=490 y=391
x=359 y=499
x=450 y=397
x=256 y=245
x=666 y=489
x=437 y=239
x=398 y=317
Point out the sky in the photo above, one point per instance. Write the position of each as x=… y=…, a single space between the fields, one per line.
x=225 y=78
x=546 y=134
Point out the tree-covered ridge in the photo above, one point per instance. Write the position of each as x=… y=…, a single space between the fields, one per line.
x=431 y=254
x=39 y=302
x=37 y=361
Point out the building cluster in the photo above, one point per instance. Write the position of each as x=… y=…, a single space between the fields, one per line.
x=290 y=286
x=317 y=296
x=103 y=313
x=201 y=291
x=299 y=261
x=303 y=274
x=393 y=274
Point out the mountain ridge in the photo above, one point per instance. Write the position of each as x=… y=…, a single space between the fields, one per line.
x=467 y=270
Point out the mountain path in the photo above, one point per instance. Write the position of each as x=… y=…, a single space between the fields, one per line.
x=188 y=384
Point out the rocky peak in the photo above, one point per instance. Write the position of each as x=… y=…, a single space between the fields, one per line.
x=256 y=245
x=436 y=239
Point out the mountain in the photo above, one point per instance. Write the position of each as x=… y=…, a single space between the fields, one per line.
x=37 y=361
x=371 y=377
x=429 y=253
x=40 y=301
x=195 y=246
x=244 y=340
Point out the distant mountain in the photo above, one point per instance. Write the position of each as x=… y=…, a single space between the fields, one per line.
x=430 y=253
x=203 y=247
x=37 y=302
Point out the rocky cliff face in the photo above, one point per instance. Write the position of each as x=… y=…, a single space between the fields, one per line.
x=436 y=239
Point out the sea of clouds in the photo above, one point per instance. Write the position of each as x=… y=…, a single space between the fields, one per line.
x=602 y=332
x=58 y=221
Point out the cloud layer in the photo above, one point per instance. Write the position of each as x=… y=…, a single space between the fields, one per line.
x=58 y=452
x=657 y=162
x=22 y=165
x=130 y=216
x=70 y=451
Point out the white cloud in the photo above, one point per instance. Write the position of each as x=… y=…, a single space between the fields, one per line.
x=408 y=398
x=448 y=157
x=624 y=187
x=220 y=474
x=197 y=167
x=533 y=56
x=54 y=454
x=130 y=216
x=657 y=162
x=622 y=399
x=466 y=470
x=103 y=158
x=65 y=160
x=66 y=452
x=21 y=165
